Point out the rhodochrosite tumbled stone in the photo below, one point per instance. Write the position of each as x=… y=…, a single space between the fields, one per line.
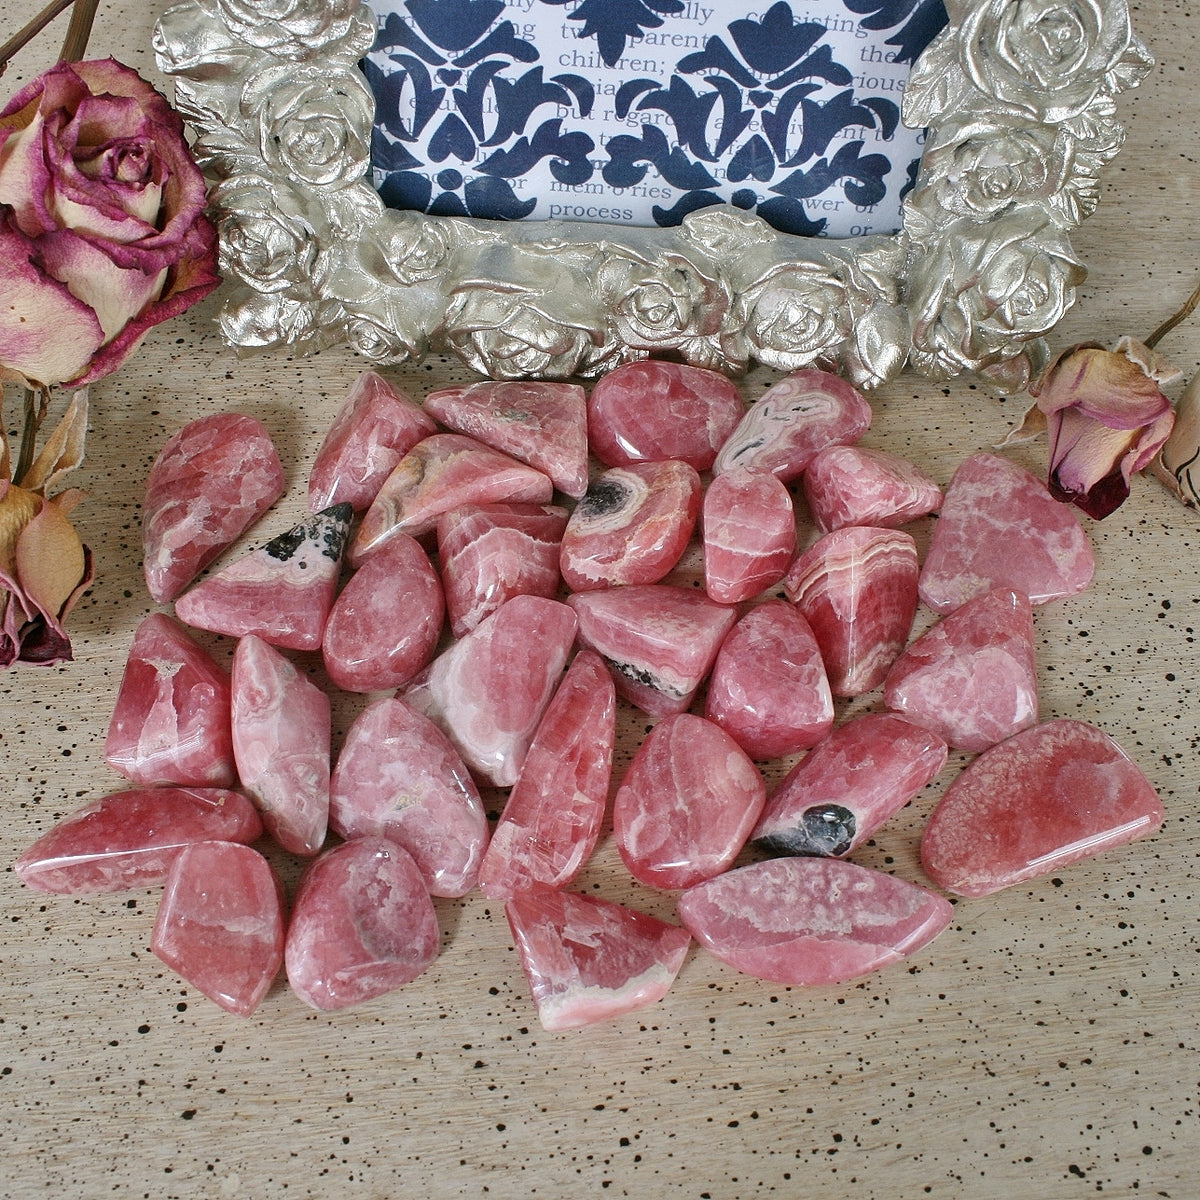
x=768 y=688
x=1045 y=798
x=687 y=804
x=489 y=690
x=542 y=423
x=749 y=529
x=811 y=921
x=385 y=623
x=493 y=552
x=588 y=959
x=649 y=410
x=281 y=734
x=848 y=785
x=552 y=818
x=220 y=923
x=377 y=425
x=399 y=777
x=857 y=588
x=211 y=482
x=973 y=677
x=170 y=723
x=440 y=473
x=659 y=641
x=791 y=421
x=1000 y=527
x=130 y=839
x=851 y=485
x=632 y=526
x=362 y=925
x=281 y=592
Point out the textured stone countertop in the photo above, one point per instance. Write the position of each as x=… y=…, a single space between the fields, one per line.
x=1050 y=1034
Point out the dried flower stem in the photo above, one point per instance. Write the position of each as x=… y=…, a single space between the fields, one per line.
x=78 y=32
x=1188 y=306
x=37 y=401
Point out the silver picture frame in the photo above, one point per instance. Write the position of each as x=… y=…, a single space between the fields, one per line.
x=1017 y=96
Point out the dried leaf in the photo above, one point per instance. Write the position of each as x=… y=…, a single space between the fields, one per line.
x=64 y=448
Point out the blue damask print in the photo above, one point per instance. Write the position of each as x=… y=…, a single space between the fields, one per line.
x=614 y=22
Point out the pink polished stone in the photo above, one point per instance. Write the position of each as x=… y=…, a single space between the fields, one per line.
x=857 y=588
x=791 y=421
x=399 y=777
x=811 y=921
x=494 y=552
x=687 y=804
x=542 y=423
x=489 y=690
x=552 y=819
x=849 y=785
x=589 y=960
x=377 y=425
x=973 y=677
x=851 y=485
x=281 y=592
x=1045 y=798
x=385 y=623
x=362 y=925
x=1000 y=527
x=220 y=924
x=659 y=641
x=281 y=735
x=650 y=410
x=768 y=688
x=170 y=723
x=749 y=534
x=444 y=472
x=632 y=526
x=211 y=482
x=130 y=839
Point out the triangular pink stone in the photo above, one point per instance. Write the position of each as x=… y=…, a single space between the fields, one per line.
x=170 y=724
x=1000 y=527
x=851 y=485
x=443 y=472
x=1032 y=805
x=281 y=592
x=551 y=821
x=811 y=921
x=972 y=678
x=588 y=959
x=543 y=423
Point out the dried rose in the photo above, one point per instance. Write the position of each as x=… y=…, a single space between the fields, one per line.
x=102 y=232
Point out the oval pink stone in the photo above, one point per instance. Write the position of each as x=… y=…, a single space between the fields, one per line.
x=749 y=528
x=650 y=410
x=851 y=485
x=362 y=925
x=811 y=921
x=687 y=804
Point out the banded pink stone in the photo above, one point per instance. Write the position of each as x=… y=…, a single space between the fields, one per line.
x=851 y=485
x=589 y=960
x=212 y=480
x=768 y=688
x=376 y=426
x=749 y=527
x=1049 y=796
x=793 y=419
x=811 y=921
x=170 y=724
x=652 y=409
x=857 y=588
x=551 y=821
x=687 y=804
x=972 y=678
x=362 y=925
x=631 y=527
x=1000 y=527
x=130 y=839
x=658 y=640
x=541 y=422
x=398 y=777
x=493 y=552
x=849 y=785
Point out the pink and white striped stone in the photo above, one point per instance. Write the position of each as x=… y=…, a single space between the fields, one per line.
x=851 y=485
x=749 y=528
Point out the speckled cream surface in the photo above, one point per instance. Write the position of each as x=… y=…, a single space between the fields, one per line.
x=1047 y=1043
